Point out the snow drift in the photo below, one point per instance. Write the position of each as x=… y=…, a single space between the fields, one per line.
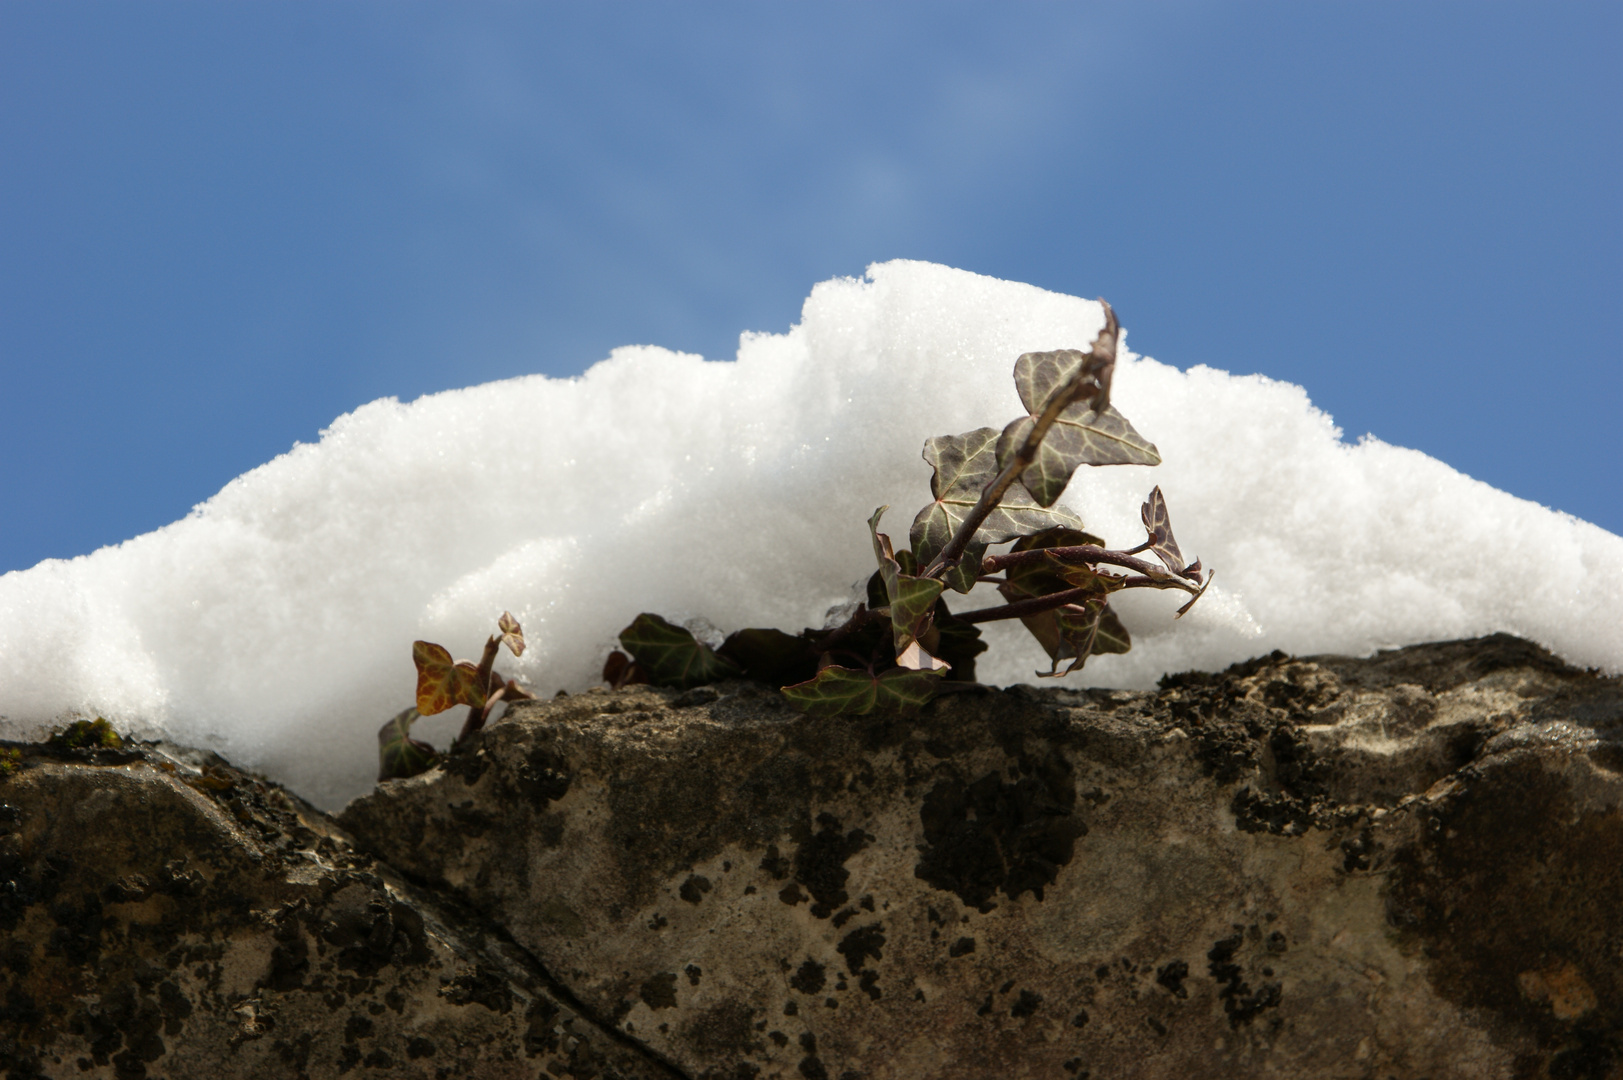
x=275 y=622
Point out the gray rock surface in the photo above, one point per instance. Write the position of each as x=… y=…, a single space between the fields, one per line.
x=1398 y=868
x=1403 y=867
x=165 y=915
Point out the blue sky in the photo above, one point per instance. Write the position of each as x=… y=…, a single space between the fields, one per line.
x=222 y=225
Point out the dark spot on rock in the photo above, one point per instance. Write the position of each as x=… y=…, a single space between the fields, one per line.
x=480 y=986
x=1006 y=987
x=290 y=957
x=1504 y=901
x=962 y=947
x=820 y=863
x=1172 y=975
x=994 y=835
x=659 y=990
x=721 y=1031
x=866 y=903
x=1242 y=1004
x=1101 y=972
x=693 y=972
x=540 y=1027
x=774 y=863
x=658 y=922
x=419 y=1047
x=1276 y=943
x=1155 y=1025
x=129 y=889
x=861 y=944
x=809 y=978
x=843 y=916
x=378 y=1059
x=778 y=1038
x=348 y=1058
x=790 y=894
x=692 y=699
x=694 y=888
x=1080 y=1019
x=749 y=890
x=986 y=1007
x=544 y=776
x=77 y=936
x=1356 y=851
x=870 y=984
x=358 y=1027
x=1070 y=1065
x=831 y=1003
x=471 y=820
x=812 y=1069
x=791 y=1008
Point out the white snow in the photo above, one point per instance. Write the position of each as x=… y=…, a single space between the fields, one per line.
x=275 y=622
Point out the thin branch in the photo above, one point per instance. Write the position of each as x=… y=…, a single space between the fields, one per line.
x=992 y=494
x=1036 y=605
x=1081 y=553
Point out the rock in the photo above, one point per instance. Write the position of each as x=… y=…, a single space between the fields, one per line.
x=167 y=915
x=1403 y=867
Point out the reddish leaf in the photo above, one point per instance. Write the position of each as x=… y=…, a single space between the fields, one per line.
x=442 y=682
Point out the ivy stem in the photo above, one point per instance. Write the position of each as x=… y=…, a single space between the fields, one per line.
x=1036 y=605
x=1104 y=349
x=1081 y=553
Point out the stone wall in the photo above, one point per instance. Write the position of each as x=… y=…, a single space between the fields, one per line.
x=1403 y=867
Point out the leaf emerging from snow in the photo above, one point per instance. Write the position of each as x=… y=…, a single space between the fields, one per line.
x=671 y=655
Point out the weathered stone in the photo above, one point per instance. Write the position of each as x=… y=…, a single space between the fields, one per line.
x=1404 y=867
x=166 y=915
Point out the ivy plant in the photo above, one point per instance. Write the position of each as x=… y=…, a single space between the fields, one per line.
x=903 y=645
x=441 y=684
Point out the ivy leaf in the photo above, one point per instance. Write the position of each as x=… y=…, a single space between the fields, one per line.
x=1079 y=437
x=1112 y=636
x=1159 y=527
x=400 y=755
x=964 y=465
x=911 y=599
x=620 y=670
x=1041 y=578
x=1064 y=632
x=841 y=690
x=770 y=656
x=512 y=633
x=442 y=683
x=956 y=642
x=1089 y=431
x=671 y=656
x=1082 y=631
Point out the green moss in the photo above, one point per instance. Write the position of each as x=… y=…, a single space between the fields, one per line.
x=9 y=761
x=95 y=734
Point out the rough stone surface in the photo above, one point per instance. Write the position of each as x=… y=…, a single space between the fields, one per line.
x=1404 y=867
x=165 y=915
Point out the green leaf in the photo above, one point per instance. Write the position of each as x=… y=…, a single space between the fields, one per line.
x=840 y=690
x=1112 y=636
x=1088 y=432
x=1159 y=526
x=671 y=656
x=964 y=465
x=770 y=656
x=1078 y=437
x=400 y=755
x=911 y=599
